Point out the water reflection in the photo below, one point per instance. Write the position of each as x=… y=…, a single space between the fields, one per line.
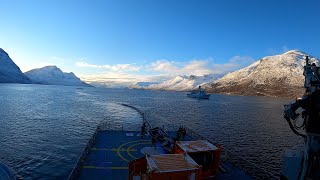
x=44 y=128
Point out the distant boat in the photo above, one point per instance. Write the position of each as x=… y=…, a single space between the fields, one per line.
x=199 y=94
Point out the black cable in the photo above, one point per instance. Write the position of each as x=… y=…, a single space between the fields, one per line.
x=293 y=129
x=294 y=123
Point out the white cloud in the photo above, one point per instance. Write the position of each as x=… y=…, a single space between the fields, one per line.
x=122 y=74
x=117 y=79
x=235 y=63
x=116 y=68
x=199 y=67
x=195 y=67
x=162 y=66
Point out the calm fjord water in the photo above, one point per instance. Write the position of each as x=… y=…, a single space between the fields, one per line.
x=43 y=129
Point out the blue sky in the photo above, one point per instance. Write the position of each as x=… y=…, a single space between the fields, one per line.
x=139 y=38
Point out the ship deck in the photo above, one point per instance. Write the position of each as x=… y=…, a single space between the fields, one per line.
x=112 y=150
x=109 y=158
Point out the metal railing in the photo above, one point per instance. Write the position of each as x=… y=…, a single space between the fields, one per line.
x=103 y=126
x=144 y=119
x=77 y=168
x=247 y=166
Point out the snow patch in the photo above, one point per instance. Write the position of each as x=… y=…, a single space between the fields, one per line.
x=52 y=75
x=179 y=83
x=279 y=75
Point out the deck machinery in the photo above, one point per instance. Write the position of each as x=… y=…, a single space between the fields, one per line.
x=305 y=163
x=197 y=159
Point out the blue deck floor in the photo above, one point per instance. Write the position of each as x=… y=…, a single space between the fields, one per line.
x=109 y=157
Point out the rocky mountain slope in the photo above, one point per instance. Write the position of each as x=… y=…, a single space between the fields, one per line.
x=52 y=75
x=278 y=76
x=9 y=71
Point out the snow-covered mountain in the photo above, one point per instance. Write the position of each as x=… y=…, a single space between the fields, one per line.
x=179 y=83
x=142 y=85
x=9 y=71
x=279 y=76
x=52 y=75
